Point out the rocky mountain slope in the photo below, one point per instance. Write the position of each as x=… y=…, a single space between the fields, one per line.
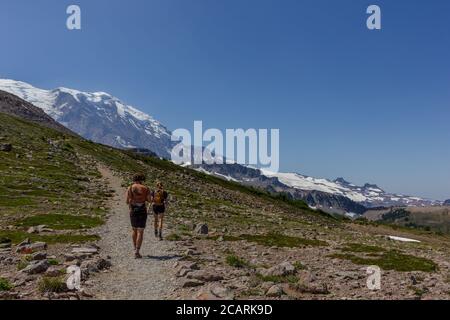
x=13 y=105
x=96 y=116
x=336 y=196
x=229 y=241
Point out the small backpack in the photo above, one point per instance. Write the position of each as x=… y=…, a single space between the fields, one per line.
x=158 y=198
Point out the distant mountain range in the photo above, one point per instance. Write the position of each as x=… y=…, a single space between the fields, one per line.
x=102 y=118
x=96 y=116
x=339 y=196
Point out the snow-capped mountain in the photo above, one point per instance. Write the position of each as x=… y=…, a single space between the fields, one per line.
x=337 y=196
x=369 y=195
x=96 y=116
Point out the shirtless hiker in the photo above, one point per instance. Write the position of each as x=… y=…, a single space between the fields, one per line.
x=137 y=197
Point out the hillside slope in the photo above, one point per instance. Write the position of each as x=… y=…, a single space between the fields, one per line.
x=13 y=105
x=50 y=178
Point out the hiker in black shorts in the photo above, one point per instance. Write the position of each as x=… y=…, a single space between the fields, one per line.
x=137 y=197
x=159 y=200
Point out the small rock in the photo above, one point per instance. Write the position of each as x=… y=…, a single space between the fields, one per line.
x=202 y=229
x=39 y=229
x=216 y=292
x=274 y=291
x=283 y=269
x=85 y=294
x=192 y=283
x=88 y=250
x=39 y=256
x=222 y=292
x=205 y=276
x=183 y=272
x=53 y=272
x=6 y=147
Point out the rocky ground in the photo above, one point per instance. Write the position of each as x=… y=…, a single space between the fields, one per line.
x=58 y=211
x=201 y=259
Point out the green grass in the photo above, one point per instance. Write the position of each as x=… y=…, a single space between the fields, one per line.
x=385 y=259
x=236 y=262
x=173 y=237
x=61 y=221
x=53 y=262
x=278 y=279
x=19 y=236
x=52 y=284
x=299 y=266
x=5 y=285
x=392 y=260
x=419 y=292
x=356 y=247
x=23 y=263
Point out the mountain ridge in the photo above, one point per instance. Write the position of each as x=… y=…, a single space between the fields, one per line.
x=97 y=116
x=338 y=195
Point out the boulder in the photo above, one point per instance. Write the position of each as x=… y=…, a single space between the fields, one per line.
x=36 y=267
x=189 y=283
x=38 y=256
x=205 y=276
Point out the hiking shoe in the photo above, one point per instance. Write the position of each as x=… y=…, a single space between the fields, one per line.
x=156 y=233
x=137 y=255
x=160 y=235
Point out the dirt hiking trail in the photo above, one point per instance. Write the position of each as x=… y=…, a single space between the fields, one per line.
x=149 y=278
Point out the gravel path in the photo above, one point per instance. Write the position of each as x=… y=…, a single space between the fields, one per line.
x=150 y=278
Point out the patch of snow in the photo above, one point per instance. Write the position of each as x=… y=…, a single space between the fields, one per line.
x=402 y=239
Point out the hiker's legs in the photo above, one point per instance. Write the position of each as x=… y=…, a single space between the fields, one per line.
x=139 y=239
x=161 y=221
x=134 y=237
x=155 y=221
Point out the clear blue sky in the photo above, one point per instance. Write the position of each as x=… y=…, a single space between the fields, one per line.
x=371 y=106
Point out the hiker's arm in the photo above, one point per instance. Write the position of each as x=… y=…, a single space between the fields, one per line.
x=128 y=201
x=149 y=196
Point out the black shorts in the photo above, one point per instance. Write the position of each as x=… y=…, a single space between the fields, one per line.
x=158 y=209
x=138 y=217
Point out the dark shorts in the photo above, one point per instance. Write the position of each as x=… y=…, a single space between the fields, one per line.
x=138 y=218
x=159 y=209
